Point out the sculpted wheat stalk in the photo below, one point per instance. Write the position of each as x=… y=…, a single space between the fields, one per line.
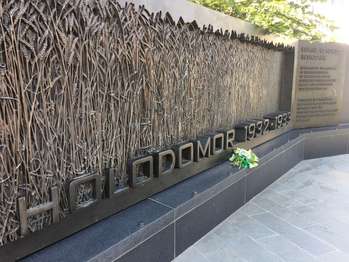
x=86 y=85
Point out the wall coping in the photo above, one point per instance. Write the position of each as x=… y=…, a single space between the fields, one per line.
x=190 y=11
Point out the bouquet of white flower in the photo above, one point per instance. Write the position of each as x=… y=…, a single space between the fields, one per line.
x=243 y=158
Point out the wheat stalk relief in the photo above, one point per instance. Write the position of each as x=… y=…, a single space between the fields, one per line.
x=87 y=85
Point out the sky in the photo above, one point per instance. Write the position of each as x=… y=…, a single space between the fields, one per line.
x=337 y=10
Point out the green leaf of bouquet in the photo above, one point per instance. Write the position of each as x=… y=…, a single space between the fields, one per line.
x=232 y=158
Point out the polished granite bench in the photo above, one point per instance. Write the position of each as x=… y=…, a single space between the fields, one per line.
x=163 y=226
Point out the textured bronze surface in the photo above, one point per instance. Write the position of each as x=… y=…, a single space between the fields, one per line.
x=87 y=85
x=25 y=213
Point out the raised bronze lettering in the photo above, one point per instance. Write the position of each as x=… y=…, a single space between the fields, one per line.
x=184 y=155
x=202 y=148
x=140 y=171
x=73 y=190
x=164 y=162
x=217 y=144
x=24 y=213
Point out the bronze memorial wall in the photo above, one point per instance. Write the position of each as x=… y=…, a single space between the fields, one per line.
x=86 y=87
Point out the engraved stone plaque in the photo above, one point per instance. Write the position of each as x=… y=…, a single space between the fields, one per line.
x=319 y=75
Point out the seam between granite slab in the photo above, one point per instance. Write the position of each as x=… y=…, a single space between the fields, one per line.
x=318 y=135
x=325 y=133
x=284 y=148
x=174 y=235
x=127 y=250
x=341 y=129
x=331 y=134
x=245 y=191
x=174 y=224
x=281 y=149
x=204 y=201
x=161 y=203
x=217 y=190
x=302 y=230
x=303 y=150
x=140 y=243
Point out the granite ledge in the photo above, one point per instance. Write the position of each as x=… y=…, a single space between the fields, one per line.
x=119 y=234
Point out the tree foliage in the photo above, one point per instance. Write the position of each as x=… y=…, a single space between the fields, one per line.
x=295 y=19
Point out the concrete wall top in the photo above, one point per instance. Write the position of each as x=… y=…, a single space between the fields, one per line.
x=203 y=16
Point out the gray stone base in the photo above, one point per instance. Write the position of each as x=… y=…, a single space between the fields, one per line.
x=163 y=226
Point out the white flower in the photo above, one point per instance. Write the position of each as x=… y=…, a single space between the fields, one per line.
x=245 y=153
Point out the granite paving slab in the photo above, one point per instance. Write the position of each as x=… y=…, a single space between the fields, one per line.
x=303 y=216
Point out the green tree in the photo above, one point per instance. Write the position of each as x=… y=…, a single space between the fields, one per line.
x=295 y=19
